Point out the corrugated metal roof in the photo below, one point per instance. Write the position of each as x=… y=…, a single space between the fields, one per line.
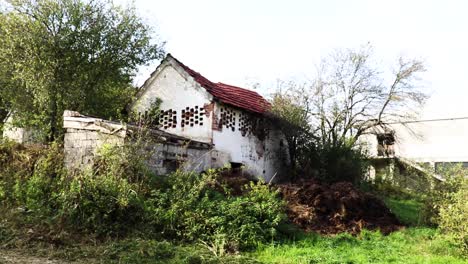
x=229 y=94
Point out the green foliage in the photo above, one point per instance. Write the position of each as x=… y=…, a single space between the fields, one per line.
x=312 y=156
x=102 y=204
x=454 y=216
x=218 y=220
x=447 y=207
x=28 y=175
x=437 y=196
x=112 y=201
x=70 y=54
x=290 y=107
x=150 y=118
x=151 y=251
x=341 y=163
x=411 y=245
x=109 y=198
x=119 y=195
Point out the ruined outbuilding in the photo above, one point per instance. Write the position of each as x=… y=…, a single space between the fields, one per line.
x=203 y=124
x=234 y=120
x=426 y=146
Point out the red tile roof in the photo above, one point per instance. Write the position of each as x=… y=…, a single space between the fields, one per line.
x=228 y=94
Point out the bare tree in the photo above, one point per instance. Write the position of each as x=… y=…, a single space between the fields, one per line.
x=351 y=95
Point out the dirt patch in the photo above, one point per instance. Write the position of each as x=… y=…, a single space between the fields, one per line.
x=335 y=208
x=13 y=257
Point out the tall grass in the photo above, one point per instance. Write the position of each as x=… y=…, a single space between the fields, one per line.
x=415 y=244
x=412 y=245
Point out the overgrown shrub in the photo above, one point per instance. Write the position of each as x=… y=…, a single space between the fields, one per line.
x=190 y=208
x=447 y=206
x=101 y=204
x=28 y=175
x=119 y=195
x=38 y=192
x=454 y=216
x=341 y=163
x=107 y=199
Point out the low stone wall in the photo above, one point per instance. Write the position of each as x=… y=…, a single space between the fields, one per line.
x=85 y=135
x=81 y=145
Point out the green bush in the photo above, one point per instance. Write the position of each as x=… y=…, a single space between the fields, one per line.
x=38 y=191
x=107 y=199
x=341 y=163
x=102 y=204
x=190 y=208
x=447 y=207
x=119 y=195
x=28 y=175
x=453 y=215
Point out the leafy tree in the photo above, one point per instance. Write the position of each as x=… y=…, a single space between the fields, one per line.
x=293 y=110
x=70 y=54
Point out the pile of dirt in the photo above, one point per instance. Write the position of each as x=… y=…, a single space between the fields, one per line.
x=335 y=208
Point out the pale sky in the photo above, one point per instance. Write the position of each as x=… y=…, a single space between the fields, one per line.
x=244 y=42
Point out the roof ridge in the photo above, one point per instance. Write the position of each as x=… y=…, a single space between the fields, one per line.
x=242 y=98
x=235 y=86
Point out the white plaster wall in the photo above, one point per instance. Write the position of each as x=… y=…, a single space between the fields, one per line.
x=18 y=134
x=177 y=91
x=262 y=159
x=369 y=144
x=430 y=141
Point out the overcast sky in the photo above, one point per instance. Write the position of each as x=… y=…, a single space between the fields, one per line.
x=242 y=42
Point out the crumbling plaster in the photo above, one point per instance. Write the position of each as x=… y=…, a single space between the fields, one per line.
x=261 y=157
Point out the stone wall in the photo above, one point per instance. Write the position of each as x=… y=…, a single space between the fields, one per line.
x=81 y=145
x=85 y=135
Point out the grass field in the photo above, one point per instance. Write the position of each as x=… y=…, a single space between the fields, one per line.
x=414 y=244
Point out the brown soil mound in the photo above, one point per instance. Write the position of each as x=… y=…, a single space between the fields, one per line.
x=331 y=209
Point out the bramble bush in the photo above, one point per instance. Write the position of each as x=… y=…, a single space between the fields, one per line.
x=119 y=195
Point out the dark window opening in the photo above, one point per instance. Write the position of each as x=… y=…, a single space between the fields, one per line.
x=386 y=143
x=171 y=165
x=236 y=165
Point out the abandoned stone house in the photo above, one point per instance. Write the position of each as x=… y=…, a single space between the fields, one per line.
x=233 y=120
x=203 y=124
x=425 y=145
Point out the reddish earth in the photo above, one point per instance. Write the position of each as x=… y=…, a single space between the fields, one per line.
x=335 y=208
